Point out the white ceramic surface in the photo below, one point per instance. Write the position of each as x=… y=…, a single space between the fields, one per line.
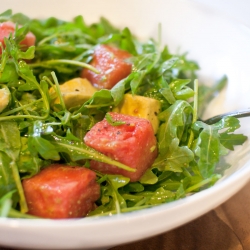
x=221 y=46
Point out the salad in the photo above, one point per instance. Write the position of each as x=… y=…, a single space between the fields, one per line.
x=71 y=97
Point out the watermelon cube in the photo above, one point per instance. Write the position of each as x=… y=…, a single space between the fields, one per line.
x=132 y=143
x=60 y=191
x=112 y=65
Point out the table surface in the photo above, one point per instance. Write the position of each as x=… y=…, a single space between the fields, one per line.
x=227 y=227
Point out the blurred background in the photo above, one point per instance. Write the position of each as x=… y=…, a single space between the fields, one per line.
x=236 y=9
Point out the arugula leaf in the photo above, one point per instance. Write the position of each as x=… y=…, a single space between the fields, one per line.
x=208 y=146
x=6 y=210
x=28 y=162
x=160 y=196
x=149 y=177
x=79 y=151
x=51 y=145
x=174 y=124
x=180 y=90
x=111 y=198
x=207 y=149
x=167 y=92
x=175 y=159
x=6 y=15
x=230 y=140
x=45 y=149
x=10 y=145
x=7 y=180
x=23 y=71
x=5 y=203
x=113 y=122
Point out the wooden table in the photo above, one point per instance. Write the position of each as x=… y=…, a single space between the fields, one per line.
x=224 y=228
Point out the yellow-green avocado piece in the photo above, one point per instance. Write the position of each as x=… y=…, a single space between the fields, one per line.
x=140 y=106
x=74 y=92
x=4 y=98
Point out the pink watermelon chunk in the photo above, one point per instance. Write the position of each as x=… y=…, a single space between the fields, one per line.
x=60 y=191
x=7 y=28
x=132 y=143
x=111 y=62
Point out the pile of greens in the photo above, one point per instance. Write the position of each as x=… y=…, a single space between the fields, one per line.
x=32 y=135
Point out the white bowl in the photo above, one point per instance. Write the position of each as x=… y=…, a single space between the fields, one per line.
x=221 y=46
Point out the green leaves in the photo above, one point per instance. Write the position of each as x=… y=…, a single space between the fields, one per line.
x=180 y=89
x=230 y=140
x=21 y=78
x=207 y=149
x=52 y=145
x=210 y=144
x=45 y=149
x=9 y=152
x=7 y=180
x=175 y=159
x=173 y=125
x=111 y=200
x=113 y=122
x=28 y=163
x=10 y=145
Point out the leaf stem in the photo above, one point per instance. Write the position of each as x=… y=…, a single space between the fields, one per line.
x=23 y=204
x=195 y=111
x=99 y=105
x=12 y=111
x=186 y=172
x=98 y=156
x=202 y=183
x=16 y=214
x=65 y=61
x=5 y=208
x=16 y=117
x=58 y=90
